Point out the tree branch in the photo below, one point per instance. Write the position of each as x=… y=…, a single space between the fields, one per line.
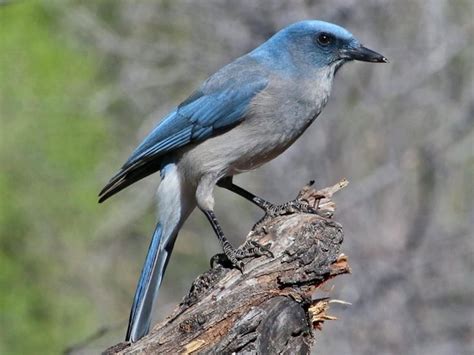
x=269 y=307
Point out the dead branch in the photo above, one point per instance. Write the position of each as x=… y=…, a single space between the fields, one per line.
x=270 y=307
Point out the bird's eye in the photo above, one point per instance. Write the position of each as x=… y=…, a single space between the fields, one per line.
x=325 y=39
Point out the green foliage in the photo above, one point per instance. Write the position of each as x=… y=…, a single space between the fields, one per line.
x=50 y=144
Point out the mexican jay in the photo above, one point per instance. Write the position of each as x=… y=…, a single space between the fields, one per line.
x=244 y=115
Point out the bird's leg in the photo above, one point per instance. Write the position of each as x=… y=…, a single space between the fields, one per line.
x=269 y=208
x=251 y=248
x=227 y=184
x=230 y=252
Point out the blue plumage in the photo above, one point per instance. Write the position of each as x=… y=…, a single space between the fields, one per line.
x=244 y=115
x=217 y=106
x=149 y=271
x=198 y=119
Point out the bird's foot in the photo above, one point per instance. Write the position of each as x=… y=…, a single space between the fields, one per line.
x=290 y=207
x=224 y=261
x=253 y=249
x=233 y=257
x=294 y=206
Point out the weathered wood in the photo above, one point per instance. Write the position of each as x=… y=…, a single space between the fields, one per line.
x=269 y=307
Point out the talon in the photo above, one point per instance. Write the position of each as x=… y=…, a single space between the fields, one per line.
x=255 y=250
x=265 y=250
x=289 y=208
x=220 y=259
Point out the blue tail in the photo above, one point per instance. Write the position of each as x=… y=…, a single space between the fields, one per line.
x=148 y=285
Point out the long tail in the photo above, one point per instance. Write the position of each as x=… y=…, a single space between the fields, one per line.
x=147 y=288
x=176 y=203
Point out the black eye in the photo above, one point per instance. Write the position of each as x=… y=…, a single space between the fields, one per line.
x=325 y=39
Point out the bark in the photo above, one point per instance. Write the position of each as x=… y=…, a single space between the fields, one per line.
x=270 y=307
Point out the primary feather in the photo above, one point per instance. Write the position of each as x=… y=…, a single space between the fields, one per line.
x=218 y=105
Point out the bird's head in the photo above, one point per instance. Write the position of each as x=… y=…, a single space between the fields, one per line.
x=319 y=44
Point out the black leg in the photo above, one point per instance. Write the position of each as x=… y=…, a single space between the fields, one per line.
x=227 y=183
x=269 y=208
x=230 y=252
x=250 y=248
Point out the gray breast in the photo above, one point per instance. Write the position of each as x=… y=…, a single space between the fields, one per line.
x=277 y=117
x=289 y=105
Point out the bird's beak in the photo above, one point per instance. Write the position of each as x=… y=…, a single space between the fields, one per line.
x=363 y=54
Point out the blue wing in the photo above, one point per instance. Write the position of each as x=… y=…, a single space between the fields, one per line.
x=221 y=103
x=198 y=118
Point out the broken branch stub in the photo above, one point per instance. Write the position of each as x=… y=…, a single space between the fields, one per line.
x=269 y=308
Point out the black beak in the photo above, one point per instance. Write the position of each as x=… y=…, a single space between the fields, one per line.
x=364 y=54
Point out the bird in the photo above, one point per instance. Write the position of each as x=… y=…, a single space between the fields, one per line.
x=246 y=114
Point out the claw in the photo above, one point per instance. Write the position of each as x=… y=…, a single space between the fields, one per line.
x=261 y=249
x=291 y=207
x=253 y=249
x=240 y=266
x=227 y=262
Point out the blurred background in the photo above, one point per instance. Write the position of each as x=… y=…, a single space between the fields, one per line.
x=81 y=83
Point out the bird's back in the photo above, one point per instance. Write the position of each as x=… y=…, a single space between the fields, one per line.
x=219 y=104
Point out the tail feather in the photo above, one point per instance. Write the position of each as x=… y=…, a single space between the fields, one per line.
x=176 y=201
x=148 y=285
x=128 y=176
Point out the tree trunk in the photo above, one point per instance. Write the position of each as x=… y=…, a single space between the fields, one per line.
x=269 y=307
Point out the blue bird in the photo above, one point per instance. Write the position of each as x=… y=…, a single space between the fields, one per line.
x=241 y=117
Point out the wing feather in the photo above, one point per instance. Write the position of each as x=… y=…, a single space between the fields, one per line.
x=205 y=113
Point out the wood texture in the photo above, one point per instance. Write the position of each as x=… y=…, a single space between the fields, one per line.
x=269 y=308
